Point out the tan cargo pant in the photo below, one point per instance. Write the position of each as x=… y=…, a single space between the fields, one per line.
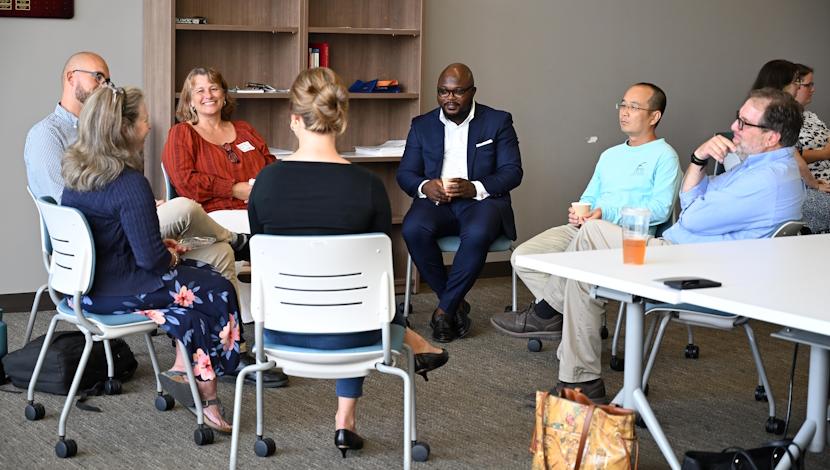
x=554 y=240
x=579 y=352
x=182 y=217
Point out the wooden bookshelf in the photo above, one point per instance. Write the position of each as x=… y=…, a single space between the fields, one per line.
x=266 y=41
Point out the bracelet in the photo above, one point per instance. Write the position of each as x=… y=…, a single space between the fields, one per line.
x=175 y=259
x=698 y=161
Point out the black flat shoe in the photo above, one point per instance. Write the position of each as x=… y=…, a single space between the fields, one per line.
x=346 y=440
x=443 y=328
x=426 y=362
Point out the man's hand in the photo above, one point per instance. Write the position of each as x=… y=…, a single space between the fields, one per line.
x=242 y=190
x=717 y=147
x=434 y=191
x=460 y=188
x=574 y=219
x=173 y=246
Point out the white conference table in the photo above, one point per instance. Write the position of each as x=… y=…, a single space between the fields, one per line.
x=771 y=280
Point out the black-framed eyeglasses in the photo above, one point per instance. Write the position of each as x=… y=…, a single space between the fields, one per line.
x=457 y=92
x=232 y=156
x=810 y=85
x=99 y=76
x=630 y=107
x=742 y=123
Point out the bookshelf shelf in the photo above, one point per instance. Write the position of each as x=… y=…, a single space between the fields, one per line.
x=369 y=31
x=237 y=28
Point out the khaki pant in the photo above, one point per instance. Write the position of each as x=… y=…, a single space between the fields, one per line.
x=579 y=352
x=182 y=217
x=554 y=240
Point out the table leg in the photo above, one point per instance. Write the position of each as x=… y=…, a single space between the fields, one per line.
x=632 y=393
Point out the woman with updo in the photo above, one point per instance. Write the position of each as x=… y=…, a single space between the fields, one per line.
x=315 y=191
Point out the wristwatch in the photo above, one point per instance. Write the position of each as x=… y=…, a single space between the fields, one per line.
x=698 y=161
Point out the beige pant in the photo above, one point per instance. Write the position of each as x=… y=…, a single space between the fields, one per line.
x=580 y=350
x=182 y=217
x=554 y=240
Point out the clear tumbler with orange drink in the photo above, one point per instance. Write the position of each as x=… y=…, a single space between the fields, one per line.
x=635 y=224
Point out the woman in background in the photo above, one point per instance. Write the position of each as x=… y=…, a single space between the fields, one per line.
x=813 y=143
x=135 y=270
x=315 y=191
x=208 y=157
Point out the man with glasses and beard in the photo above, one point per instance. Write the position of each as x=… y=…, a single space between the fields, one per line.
x=747 y=202
x=460 y=163
x=179 y=218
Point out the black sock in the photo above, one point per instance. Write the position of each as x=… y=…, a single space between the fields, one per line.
x=543 y=310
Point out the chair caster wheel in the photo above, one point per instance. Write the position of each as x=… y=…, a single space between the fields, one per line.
x=203 y=436
x=35 y=411
x=640 y=423
x=534 y=345
x=775 y=425
x=603 y=333
x=645 y=390
x=420 y=451
x=508 y=309
x=65 y=449
x=112 y=387
x=165 y=402
x=761 y=393
x=154 y=333
x=692 y=351
x=617 y=364
x=265 y=447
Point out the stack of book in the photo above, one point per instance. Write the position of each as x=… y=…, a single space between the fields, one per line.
x=318 y=54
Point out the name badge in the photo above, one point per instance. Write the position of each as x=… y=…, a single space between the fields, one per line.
x=245 y=146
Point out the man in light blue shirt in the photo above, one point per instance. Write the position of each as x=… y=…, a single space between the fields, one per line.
x=749 y=201
x=643 y=171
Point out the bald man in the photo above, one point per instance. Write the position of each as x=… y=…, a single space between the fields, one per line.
x=460 y=163
x=179 y=218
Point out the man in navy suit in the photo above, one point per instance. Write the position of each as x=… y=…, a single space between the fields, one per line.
x=460 y=163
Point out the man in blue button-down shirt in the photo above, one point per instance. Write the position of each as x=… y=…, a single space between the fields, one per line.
x=749 y=201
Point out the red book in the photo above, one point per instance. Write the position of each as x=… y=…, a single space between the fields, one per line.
x=324 y=52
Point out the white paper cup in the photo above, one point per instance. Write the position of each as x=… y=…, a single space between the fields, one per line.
x=581 y=209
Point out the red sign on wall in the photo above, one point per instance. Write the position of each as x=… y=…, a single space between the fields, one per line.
x=38 y=8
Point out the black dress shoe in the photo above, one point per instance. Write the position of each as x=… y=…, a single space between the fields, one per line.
x=443 y=328
x=270 y=378
x=464 y=307
x=462 y=324
x=426 y=362
x=345 y=440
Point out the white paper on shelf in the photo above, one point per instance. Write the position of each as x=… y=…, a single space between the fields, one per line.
x=280 y=153
x=390 y=148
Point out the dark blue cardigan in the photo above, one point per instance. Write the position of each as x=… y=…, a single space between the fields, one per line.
x=130 y=257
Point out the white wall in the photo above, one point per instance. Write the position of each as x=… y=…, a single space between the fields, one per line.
x=32 y=56
x=559 y=67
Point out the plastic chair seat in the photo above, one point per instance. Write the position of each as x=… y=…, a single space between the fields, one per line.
x=108 y=321
x=687 y=308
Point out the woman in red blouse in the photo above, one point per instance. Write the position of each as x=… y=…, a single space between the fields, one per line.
x=208 y=157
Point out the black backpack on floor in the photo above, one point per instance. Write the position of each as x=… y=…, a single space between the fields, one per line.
x=62 y=361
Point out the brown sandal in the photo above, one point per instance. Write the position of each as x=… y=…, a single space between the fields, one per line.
x=224 y=429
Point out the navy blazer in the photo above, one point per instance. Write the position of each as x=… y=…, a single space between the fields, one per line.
x=496 y=164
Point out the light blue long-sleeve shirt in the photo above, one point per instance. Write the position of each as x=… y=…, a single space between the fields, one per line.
x=647 y=175
x=749 y=201
x=45 y=145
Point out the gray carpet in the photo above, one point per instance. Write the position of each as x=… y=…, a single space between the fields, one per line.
x=476 y=412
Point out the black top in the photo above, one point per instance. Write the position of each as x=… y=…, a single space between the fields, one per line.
x=317 y=198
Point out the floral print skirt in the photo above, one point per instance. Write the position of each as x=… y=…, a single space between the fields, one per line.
x=197 y=306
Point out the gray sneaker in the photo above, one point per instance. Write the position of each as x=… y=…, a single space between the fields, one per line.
x=526 y=324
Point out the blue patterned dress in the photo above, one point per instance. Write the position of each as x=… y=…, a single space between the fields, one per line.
x=191 y=302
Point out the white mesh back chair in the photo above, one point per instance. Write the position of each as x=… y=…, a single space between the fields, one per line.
x=46 y=253
x=236 y=220
x=450 y=245
x=71 y=273
x=325 y=285
x=692 y=315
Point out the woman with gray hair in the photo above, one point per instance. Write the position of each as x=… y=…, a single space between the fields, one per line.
x=136 y=271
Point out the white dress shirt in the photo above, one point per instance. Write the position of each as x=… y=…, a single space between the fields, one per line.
x=455 y=152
